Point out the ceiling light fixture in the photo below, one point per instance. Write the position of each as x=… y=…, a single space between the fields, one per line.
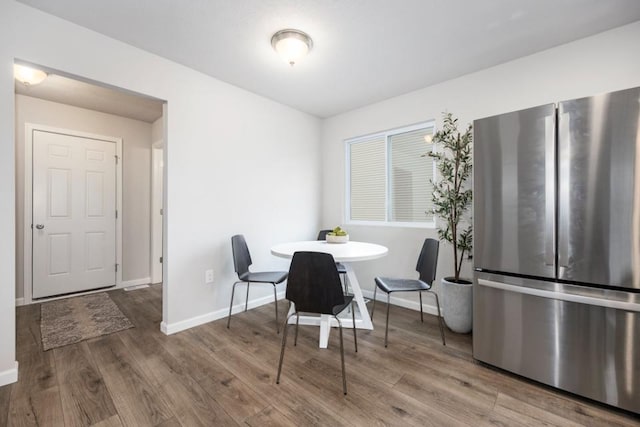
x=28 y=76
x=291 y=45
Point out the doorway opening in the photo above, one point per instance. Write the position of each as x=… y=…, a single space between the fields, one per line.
x=89 y=173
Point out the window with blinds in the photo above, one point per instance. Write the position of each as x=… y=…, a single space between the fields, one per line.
x=389 y=179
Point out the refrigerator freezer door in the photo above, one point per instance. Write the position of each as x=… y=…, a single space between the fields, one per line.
x=514 y=192
x=599 y=189
x=586 y=344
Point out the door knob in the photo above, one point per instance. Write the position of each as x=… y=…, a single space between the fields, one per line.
x=39 y=226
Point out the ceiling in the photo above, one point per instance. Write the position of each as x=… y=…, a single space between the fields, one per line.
x=364 y=50
x=69 y=91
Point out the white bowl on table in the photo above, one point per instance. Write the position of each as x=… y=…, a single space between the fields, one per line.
x=337 y=239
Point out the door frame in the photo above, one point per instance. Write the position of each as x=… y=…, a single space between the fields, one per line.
x=29 y=128
x=157 y=173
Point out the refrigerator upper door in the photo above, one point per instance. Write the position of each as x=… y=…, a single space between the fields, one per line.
x=514 y=192
x=599 y=189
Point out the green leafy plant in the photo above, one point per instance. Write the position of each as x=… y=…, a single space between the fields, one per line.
x=337 y=232
x=451 y=193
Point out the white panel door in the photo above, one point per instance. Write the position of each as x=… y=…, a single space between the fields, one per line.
x=74 y=214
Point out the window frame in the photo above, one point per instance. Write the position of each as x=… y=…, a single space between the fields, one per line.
x=387 y=134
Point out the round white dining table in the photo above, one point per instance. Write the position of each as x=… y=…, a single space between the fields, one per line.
x=345 y=253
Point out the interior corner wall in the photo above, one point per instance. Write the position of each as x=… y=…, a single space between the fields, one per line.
x=157 y=130
x=605 y=62
x=136 y=171
x=8 y=370
x=235 y=162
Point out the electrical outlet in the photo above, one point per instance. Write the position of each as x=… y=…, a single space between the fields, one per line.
x=208 y=276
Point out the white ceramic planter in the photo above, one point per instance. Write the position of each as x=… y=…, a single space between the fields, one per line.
x=457 y=304
x=337 y=239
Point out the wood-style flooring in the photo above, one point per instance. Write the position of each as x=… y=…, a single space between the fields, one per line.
x=214 y=376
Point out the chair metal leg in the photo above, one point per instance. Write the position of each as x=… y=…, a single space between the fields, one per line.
x=233 y=290
x=284 y=343
x=346 y=287
x=353 y=319
x=421 y=315
x=275 y=298
x=295 y=340
x=386 y=329
x=246 y=301
x=373 y=309
x=439 y=318
x=344 y=375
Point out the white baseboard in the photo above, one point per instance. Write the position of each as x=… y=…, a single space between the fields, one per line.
x=172 y=328
x=9 y=376
x=19 y=302
x=135 y=282
x=410 y=304
x=135 y=287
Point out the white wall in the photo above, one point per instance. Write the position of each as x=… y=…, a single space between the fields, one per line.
x=235 y=163
x=8 y=368
x=602 y=63
x=136 y=170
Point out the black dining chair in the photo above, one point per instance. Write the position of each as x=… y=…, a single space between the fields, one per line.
x=314 y=287
x=342 y=269
x=426 y=267
x=241 y=263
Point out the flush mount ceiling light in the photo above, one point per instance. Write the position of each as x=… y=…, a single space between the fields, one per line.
x=28 y=76
x=291 y=45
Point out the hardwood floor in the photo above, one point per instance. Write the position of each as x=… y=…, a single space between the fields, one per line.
x=211 y=375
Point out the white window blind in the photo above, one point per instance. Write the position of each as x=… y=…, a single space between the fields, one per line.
x=410 y=174
x=389 y=178
x=368 y=184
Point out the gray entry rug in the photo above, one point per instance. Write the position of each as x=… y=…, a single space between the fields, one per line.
x=71 y=320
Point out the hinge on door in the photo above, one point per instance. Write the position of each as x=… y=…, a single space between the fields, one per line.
x=117 y=267
x=161 y=211
x=160 y=260
x=116 y=214
x=116 y=159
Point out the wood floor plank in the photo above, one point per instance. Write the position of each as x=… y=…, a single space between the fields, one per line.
x=190 y=403
x=42 y=408
x=83 y=393
x=36 y=370
x=387 y=401
x=269 y=417
x=173 y=422
x=238 y=399
x=113 y=421
x=137 y=401
x=211 y=375
x=5 y=401
x=522 y=412
x=298 y=404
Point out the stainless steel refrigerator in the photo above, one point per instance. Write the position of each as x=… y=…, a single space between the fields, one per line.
x=557 y=245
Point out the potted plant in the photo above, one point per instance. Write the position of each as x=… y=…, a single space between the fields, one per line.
x=452 y=200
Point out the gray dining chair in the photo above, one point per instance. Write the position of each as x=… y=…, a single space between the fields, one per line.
x=314 y=287
x=426 y=267
x=242 y=262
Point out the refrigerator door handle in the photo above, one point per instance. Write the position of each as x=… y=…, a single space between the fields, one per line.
x=562 y=296
x=550 y=191
x=564 y=150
